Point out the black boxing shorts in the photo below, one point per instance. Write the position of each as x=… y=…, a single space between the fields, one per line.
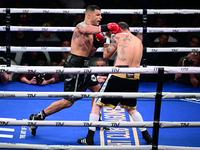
x=94 y=80
x=76 y=82
x=119 y=83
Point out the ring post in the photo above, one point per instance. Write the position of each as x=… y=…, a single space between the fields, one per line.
x=158 y=98
x=8 y=37
x=144 y=20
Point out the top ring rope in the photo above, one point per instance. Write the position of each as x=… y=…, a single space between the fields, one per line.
x=71 y=29
x=100 y=49
x=71 y=11
x=104 y=11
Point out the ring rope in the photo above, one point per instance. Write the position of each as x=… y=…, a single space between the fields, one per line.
x=146 y=124
x=71 y=29
x=104 y=11
x=69 y=147
x=172 y=49
x=165 y=95
x=100 y=49
x=94 y=70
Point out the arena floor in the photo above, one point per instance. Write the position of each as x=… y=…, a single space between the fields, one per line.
x=171 y=110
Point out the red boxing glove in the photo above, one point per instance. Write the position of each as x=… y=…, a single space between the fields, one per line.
x=113 y=27
x=100 y=37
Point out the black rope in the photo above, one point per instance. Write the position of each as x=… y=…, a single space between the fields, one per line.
x=8 y=55
x=158 y=99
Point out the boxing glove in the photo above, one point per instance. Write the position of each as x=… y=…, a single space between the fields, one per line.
x=100 y=37
x=113 y=27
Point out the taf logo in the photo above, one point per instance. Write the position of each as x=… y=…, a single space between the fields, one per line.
x=25 y=11
x=32 y=123
x=23 y=47
x=175 y=30
x=31 y=71
x=44 y=29
x=194 y=50
x=106 y=12
x=185 y=124
x=115 y=70
x=43 y=48
x=31 y=95
x=4 y=123
x=135 y=30
x=85 y=95
x=59 y=123
x=3 y=70
x=65 y=12
x=59 y=71
x=184 y=69
x=87 y=70
x=87 y=124
x=115 y=124
x=154 y=50
x=45 y=11
x=174 y=50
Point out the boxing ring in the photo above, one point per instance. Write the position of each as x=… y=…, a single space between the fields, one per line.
x=158 y=94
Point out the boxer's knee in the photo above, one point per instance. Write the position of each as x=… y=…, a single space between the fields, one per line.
x=67 y=103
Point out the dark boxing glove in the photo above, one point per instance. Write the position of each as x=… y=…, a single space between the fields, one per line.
x=113 y=27
x=100 y=37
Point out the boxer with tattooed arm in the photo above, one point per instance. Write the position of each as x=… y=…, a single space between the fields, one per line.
x=129 y=54
x=82 y=48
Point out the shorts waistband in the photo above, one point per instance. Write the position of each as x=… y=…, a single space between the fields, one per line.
x=81 y=61
x=129 y=76
x=122 y=66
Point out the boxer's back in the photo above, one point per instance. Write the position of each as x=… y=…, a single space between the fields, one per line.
x=129 y=49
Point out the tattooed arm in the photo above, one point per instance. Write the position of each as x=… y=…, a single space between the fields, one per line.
x=85 y=28
x=109 y=49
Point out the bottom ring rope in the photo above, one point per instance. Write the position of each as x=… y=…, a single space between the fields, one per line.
x=69 y=147
x=6 y=122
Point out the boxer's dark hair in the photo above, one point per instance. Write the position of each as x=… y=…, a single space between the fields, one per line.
x=92 y=8
x=123 y=25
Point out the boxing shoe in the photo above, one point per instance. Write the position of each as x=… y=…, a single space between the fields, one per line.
x=147 y=137
x=38 y=116
x=86 y=141
x=32 y=129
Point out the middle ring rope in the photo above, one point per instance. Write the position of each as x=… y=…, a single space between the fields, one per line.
x=165 y=95
x=94 y=70
x=4 y=122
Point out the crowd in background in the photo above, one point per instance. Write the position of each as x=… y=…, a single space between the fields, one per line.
x=63 y=39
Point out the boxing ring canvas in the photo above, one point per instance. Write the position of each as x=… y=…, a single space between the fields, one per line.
x=186 y=110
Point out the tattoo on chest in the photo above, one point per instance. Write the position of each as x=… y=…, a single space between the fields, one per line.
x=122 y=53
x=127 y=38
x=75 y=36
